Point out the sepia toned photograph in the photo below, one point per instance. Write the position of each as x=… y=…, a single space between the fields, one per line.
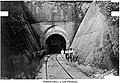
x=59 y=39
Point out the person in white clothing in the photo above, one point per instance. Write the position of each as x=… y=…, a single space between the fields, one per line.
x=62 y=53
x=71 y=54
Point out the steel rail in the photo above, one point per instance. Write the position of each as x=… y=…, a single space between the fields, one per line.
x=63 y=67
x=47 y=64
x=59 y=64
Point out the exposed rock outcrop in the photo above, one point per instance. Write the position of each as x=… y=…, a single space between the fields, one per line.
x=92 y=37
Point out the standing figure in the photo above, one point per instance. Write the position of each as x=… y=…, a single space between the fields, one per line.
x=67 y=55
x=71 y=54
x=62 y=52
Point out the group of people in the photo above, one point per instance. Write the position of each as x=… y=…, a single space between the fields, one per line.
x=68 y=54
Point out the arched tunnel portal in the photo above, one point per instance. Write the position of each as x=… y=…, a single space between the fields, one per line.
x=55 y=43
x=56 y=39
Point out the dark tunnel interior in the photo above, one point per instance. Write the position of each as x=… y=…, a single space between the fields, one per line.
x=55 y=43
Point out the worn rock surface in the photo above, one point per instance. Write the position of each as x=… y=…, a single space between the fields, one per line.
x=89 y=35
x=91 y=42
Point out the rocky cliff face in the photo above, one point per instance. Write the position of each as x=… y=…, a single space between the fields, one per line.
x=93 y=43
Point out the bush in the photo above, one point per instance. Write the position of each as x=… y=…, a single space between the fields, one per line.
x=108 y=57
x=24 y=66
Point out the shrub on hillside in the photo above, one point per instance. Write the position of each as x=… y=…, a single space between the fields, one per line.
x=23 y=66
x=108 y=57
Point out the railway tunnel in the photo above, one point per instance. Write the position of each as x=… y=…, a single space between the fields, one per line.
x=55 y=43
x=56 y=39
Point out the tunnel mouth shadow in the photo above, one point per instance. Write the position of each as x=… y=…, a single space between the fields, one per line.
x=55 y=43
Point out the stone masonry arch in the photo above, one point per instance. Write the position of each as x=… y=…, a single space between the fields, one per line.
x=60 y=31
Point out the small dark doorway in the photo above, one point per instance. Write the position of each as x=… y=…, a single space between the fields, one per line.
x=55 y=43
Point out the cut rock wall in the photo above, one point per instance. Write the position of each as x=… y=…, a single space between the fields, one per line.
x=89 y=36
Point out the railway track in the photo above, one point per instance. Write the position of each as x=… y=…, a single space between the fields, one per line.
x=59 y=65
x=47 y=65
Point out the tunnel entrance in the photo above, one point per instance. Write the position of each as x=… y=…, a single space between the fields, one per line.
x=55 y=43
